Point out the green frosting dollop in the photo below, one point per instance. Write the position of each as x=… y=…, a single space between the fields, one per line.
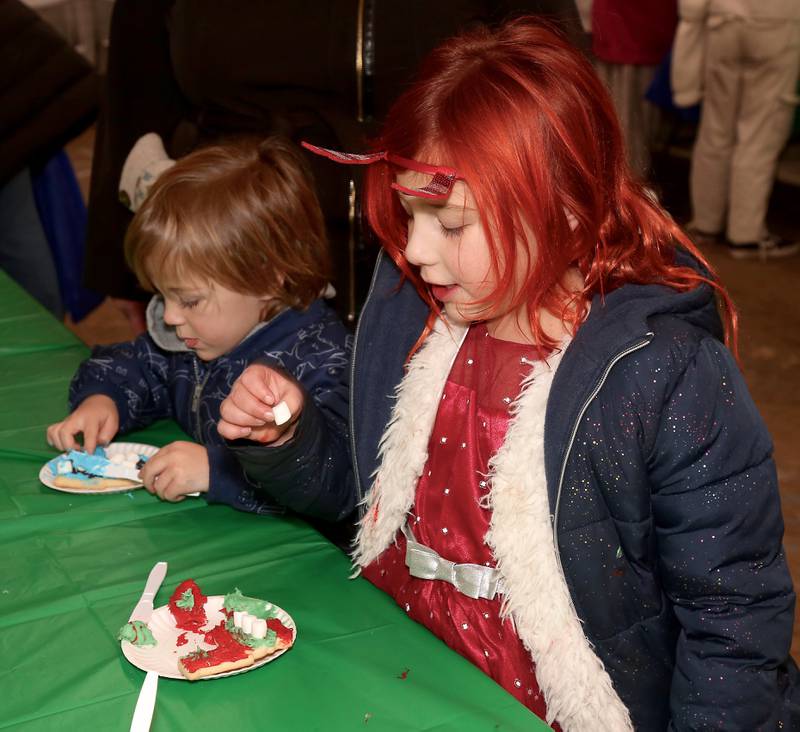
x=267 y=641
x=259 y=608
x=137 y=633
x=187 y=600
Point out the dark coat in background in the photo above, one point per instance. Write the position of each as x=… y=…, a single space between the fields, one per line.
x=50 y=93
x=195 y=71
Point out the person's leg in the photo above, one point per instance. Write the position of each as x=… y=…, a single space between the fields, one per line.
x=765 y=118
x=711 y=157
x=627 y=85
x=24 y=251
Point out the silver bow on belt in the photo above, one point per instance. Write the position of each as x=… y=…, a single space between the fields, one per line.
x=472 y=580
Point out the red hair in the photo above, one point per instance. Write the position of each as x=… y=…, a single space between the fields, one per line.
x=524 y=119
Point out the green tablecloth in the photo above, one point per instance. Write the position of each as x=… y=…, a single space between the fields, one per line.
x=72 y=567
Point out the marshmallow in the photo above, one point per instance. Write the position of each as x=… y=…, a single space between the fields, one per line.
x=281 y=413
x=247 y=622
x=64 y=467
x=237 y=618
x=259 y=628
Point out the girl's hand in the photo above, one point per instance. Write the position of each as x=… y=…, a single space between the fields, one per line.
x=96 y=417
x=247 y=411
x=175 y=470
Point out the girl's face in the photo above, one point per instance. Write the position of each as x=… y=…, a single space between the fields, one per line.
x=446 y=241
x=209 y=318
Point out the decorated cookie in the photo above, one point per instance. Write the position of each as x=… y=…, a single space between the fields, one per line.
x=227 y=655
x=137 y=633
x=78 y=469
x=187 y=606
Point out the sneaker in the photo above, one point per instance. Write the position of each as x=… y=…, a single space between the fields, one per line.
x=704 y=238
x=769 y=247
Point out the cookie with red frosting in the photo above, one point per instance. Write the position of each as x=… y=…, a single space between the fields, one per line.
x=227 y=655
x=187 y=606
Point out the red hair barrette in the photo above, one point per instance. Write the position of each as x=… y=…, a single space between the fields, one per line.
x=438 y=188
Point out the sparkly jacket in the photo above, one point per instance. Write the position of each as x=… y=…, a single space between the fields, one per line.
x=661 y=503
x=156 y=377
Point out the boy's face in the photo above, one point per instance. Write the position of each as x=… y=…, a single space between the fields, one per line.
x=208 y=318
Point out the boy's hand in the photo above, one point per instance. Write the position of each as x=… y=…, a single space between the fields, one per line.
x=175 y=470
x=96 y=417
x=247 y=411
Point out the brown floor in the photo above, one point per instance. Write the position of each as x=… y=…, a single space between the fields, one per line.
x=766 y=294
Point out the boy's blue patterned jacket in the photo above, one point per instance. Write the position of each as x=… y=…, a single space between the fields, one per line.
x=155 y=377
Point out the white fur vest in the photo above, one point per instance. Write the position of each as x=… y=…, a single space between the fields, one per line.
x=576 y=687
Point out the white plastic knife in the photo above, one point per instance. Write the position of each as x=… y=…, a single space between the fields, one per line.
x=144 y=608
x=145 y=704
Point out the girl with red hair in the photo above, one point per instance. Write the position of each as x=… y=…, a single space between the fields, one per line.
x=560 y=470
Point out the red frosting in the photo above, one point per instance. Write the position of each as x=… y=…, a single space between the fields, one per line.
x=181 y=641
x=185 y=618
x=228 y=649
x=284 y=633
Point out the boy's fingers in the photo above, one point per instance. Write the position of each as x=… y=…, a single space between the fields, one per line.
x=90 y=438
x=107 y=431
x=66 y=438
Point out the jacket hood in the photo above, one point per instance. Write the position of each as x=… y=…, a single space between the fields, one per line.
x=621 y=320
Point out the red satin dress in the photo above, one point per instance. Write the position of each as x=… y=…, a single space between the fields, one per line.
x=448 y=517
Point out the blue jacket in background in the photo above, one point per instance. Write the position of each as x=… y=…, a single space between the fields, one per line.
x=155 y=377
x=663 y=494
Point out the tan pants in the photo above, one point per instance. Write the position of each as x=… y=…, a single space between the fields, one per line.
x=750 y=77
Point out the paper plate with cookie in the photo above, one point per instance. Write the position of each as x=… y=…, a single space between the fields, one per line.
x=111 y=469
x=196 y=637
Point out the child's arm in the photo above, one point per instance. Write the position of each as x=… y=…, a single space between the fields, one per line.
x=303 y=464
x=133 y=375
x=719 y=528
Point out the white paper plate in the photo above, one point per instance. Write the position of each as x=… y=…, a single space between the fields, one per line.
x=163 y=657
x=47 y=477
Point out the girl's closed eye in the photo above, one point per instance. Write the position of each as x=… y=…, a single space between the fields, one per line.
x=452 y=231
x=189 y=304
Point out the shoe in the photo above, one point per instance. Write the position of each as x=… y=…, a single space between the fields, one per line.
x=769 y=247
x=704 y=238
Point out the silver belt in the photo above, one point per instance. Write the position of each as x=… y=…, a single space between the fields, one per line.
x=473 y=580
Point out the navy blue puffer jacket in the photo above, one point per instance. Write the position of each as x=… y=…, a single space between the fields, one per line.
x=663 y=494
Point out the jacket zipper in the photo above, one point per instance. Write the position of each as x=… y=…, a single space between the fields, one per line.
x=198 y=391
x=359 y=492
x=622 y=354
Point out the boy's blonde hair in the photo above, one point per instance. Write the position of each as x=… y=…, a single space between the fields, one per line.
x=242 y=214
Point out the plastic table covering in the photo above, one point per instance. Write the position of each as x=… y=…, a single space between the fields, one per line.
x=72 y=567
